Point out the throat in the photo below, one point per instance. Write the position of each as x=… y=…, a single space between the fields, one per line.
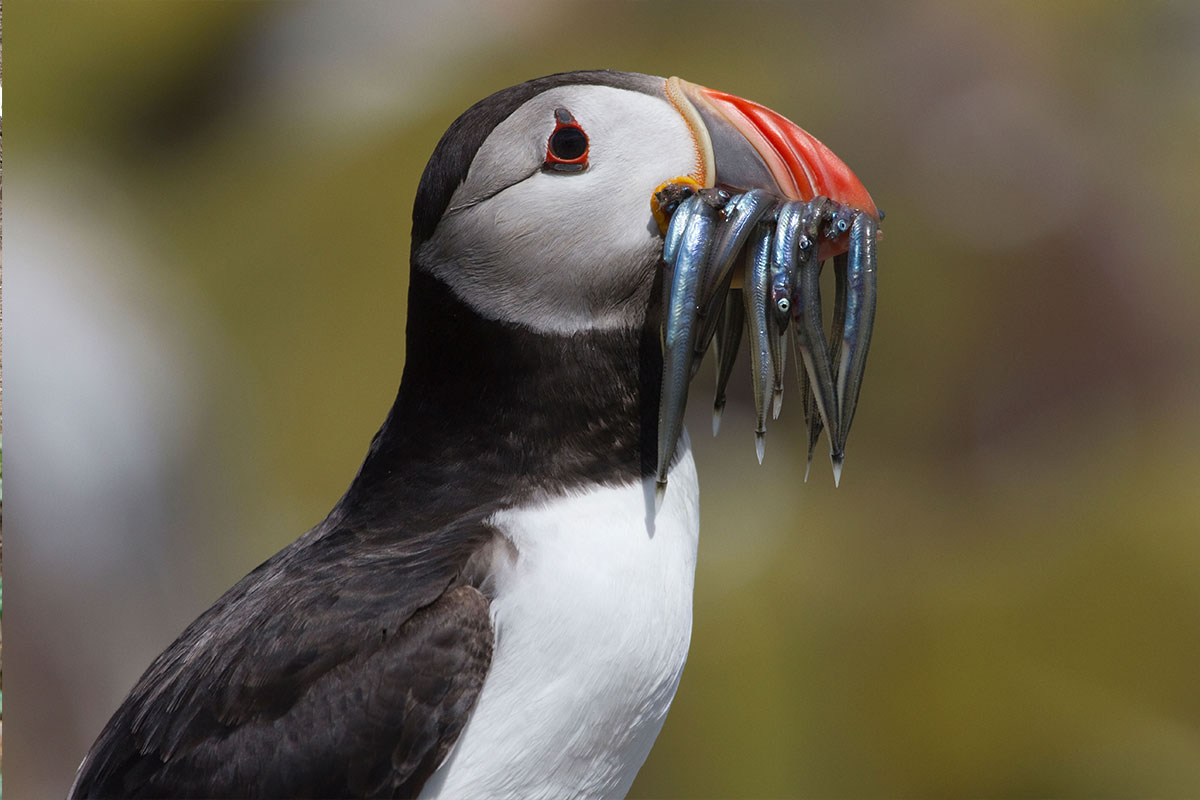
x=507 y=412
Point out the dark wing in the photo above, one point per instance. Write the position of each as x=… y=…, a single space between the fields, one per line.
x=335 y=669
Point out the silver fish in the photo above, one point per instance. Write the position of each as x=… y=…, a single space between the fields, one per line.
x=787 y=226
x=859 y=319
x=806 y=309
x=709 y=235
x=696 y=219
x=756 y=282
x=737 y=222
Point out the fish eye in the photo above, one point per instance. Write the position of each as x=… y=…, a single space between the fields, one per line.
x=567 y=147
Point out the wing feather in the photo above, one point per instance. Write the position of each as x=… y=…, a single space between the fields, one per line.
x=318 y=675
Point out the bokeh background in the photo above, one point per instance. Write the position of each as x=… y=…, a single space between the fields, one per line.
x=206 y=240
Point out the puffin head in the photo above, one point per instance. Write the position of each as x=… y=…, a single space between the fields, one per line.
x=536 y=208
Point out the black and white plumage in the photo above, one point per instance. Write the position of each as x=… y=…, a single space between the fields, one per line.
x=493 y=609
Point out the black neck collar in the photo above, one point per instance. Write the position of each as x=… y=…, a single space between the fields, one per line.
x=490 y=413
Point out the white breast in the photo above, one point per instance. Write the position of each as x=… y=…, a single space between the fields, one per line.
x=593 y=619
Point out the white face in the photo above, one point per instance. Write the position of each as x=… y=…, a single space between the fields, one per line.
x=559 y=251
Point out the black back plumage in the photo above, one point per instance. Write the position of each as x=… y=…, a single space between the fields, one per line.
x=348 y=663
x=302 y=682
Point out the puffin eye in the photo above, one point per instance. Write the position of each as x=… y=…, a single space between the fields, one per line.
x=567 y=147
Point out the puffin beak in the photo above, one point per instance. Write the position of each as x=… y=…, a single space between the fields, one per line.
x=773 y=183
x=744 y=145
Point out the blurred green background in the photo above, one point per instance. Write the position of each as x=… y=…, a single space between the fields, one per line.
x=206 y=237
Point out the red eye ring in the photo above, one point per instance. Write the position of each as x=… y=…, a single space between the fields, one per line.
x=567 y=147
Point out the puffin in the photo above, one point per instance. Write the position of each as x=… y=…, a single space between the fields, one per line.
x=498 y=606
